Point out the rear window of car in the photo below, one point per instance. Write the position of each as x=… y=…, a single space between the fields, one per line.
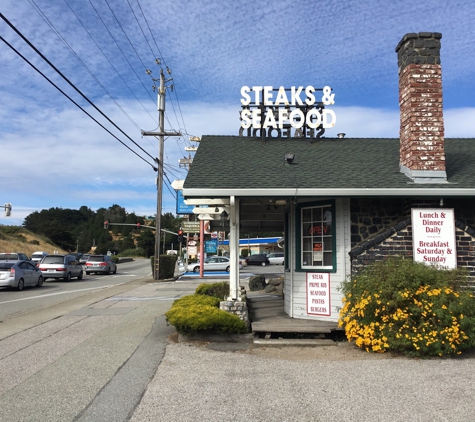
x=96 y=258
x=6 y=266
x=7 y=256
x=53 y=259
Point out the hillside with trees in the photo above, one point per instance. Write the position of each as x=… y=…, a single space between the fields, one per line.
x=83 y=230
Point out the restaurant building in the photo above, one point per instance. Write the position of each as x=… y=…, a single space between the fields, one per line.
x=343 y=203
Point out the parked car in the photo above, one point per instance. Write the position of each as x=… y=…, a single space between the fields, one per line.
x=258 y=259
x=100 y=264
x=276 y=258
x=243 y=261
x=61 y=266
x=14 y=256
x=36 y=257
x=19 y=274
x=213 y=263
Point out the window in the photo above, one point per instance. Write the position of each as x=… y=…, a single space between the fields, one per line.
x=317 y=237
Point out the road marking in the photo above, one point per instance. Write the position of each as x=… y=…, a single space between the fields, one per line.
x=62 y=293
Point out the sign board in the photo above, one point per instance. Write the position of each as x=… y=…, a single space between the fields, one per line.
x=211 y=246
x=181 y=207
x=297 y=112
x=192 y=250
x=433 y=236
x=190 y=226
x=318 y=294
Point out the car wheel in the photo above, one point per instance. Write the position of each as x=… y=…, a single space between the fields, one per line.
x=263 y=263
x=227 y=269
x=40 y=281
x=87 y=273
x=21 y=284
x=80 y=276
x=196 y=269
x=115 y=270
x=68 y=277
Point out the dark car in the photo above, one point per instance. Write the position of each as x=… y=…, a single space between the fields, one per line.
x=258 y=259
x=14 y=256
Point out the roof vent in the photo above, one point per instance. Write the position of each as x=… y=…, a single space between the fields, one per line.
x=341 y=135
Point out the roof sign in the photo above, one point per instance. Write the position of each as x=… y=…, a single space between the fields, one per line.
x=281 y=112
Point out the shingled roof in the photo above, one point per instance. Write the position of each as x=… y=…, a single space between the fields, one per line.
x=246 y=166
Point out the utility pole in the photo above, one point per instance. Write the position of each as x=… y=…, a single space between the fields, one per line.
x=161 y=135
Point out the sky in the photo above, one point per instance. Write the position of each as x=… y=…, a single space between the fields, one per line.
x=52 y=154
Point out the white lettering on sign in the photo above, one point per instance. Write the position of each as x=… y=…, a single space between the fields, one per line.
x=433 y=237
x=318 y=294
x=276 y=113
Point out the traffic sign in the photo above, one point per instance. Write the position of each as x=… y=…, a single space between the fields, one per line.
x=190 y=226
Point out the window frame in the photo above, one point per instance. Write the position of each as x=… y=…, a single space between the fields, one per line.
x=299 y=238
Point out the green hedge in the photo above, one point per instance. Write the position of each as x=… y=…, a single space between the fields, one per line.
x=166 y=266
x=219 y=290
x=201 y=313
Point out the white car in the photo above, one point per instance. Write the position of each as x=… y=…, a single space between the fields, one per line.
x=213 y=263
x=276 y=258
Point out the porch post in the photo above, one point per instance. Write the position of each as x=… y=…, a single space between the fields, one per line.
x=234 y=289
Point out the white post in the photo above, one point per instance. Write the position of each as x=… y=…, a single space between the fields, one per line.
x=234 y=290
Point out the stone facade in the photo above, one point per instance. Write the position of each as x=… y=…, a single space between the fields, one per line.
x=236 y=308
x=382 y=227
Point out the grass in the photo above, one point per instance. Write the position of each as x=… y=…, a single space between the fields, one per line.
x=18 y=239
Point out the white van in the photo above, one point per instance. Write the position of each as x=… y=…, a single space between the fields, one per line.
x=38 y=256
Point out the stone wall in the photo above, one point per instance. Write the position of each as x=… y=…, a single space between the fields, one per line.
x=382 y=227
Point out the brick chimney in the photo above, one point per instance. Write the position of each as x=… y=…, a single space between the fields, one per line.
x=422 y=155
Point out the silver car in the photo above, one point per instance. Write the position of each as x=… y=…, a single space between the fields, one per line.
x=100 y=264
x=61 y=266
x=213 y=263
x=19 y=274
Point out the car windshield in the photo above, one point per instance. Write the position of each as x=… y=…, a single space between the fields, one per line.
x=51 y=259
x=97 y=258
x=6 y=266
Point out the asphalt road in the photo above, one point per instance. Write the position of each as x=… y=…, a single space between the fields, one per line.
x=89 y=357
x=16 y=303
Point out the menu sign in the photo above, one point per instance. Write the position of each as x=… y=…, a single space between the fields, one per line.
x=318 y=294
x=433 y=237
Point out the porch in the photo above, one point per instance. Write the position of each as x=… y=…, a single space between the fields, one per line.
x=268 y=320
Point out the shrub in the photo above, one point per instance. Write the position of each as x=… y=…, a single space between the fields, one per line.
x=219 y=290
x=166 y=266
x=200 y=313
x=404 y=306
x=34 y=242
x=132 y=252
x=115 y=258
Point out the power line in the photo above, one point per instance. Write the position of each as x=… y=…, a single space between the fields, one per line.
x=74 y=102
x=120 y=49
x=71 y=84
x=40 y=12
x=112 y=65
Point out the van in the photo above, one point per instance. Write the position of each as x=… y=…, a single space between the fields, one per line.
x=38 y=256
x=61 y=266
x=276 y=258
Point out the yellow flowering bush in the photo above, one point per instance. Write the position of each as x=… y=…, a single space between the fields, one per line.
x=403 y=306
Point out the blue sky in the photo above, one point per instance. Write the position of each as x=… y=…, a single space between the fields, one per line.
x=53 y=155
